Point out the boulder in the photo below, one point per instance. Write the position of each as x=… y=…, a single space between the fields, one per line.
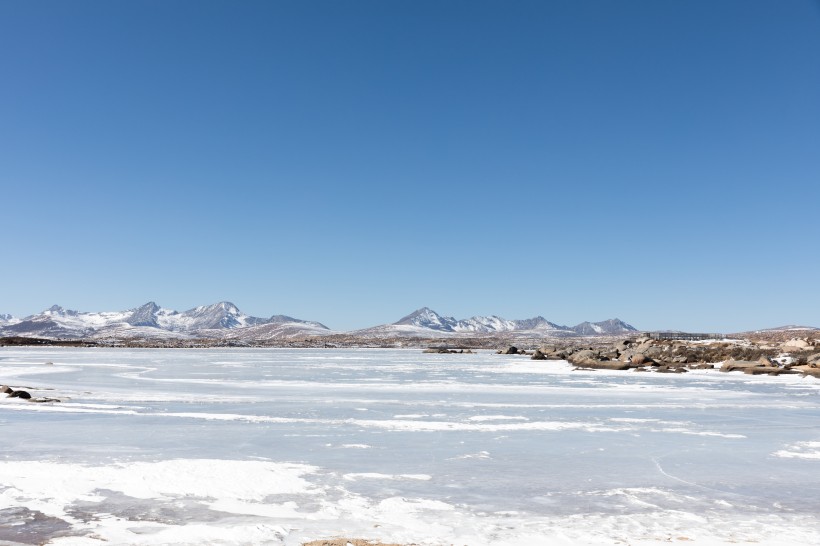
x=808 y=369
x=583 y=356
x=797 y=344
x=739 y=365
x=626 y=355
x=604 y=365
x=11 y=393
x=653 y=352
x=665 y=368
x=640 y=359
x=609 y=354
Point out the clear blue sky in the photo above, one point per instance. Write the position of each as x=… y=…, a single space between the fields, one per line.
x=349 y=162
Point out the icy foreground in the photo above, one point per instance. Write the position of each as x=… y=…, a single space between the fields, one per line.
x=281 y=446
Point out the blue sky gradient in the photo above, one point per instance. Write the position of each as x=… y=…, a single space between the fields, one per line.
x=349 y=162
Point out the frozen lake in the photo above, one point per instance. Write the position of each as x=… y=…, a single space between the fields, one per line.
x=276 y=446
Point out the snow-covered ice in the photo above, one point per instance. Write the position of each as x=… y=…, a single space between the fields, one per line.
x=275 y=446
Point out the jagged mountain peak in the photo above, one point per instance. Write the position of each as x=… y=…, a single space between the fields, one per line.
x=427 y=318
x=56 y=310
x=420 y=312
x=145 y=315
x=223 y=314
x=224 y=306
x=151 y=320
x=150 y=307
x=610 y=326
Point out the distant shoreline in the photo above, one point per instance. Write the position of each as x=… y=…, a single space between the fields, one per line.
x=772 y=353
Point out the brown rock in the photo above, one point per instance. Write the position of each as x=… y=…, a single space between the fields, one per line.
x=604 y=365
x=733 y=365
x=639 y=359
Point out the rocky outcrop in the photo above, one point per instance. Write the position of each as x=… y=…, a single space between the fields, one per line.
x=732 y=365
x=445 y=350
x=10 y=393
x=798 y=344
x=808 y=370
x=675 y=356
x=23 y=395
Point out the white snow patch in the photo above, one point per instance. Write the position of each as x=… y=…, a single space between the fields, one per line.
x=800 y=450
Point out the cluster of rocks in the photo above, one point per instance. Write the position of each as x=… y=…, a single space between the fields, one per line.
x=447 y=350
x=24 y=395
x=798 y=355
x=11 y=393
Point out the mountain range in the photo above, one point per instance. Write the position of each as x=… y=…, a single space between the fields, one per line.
x=152 y=321
x=424 y=322
x=224 y=320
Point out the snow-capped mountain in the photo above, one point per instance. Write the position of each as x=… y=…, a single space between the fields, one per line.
x=606 y=327
x=56 y=322
x=425 y=322
x=224 y=321
x=280 y=327
x=6 y=319
x=429 y=319
x=149 y=320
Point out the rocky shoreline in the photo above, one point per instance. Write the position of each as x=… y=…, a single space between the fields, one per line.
x=754 y=357
x=771 y=353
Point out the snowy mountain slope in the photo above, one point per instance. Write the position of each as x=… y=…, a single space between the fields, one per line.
x=425 y=322
x=400 y=330
x=56 y=322
x=282 y=328
x=606 y=327
x=493 y=324
x=207 y=317
x=148 y=321
x=6 y=320
x=789 y=328
x=224 y=320
x=428 y=319
x=284 y=319
x=145 y=315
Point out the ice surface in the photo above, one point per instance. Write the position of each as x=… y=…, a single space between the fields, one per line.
x=274 y=446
